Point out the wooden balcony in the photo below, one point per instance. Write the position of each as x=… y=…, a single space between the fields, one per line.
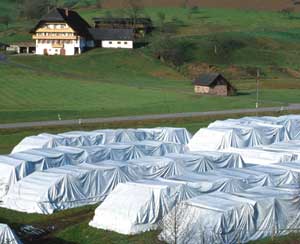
x=66 y=30
x=35 y=37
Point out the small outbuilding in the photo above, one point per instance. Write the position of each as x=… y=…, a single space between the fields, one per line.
x=113 y=38
x=22 y=48
x=213 y=84
x=3 y=46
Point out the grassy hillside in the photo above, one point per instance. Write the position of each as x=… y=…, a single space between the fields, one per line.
x=102 y=83
x=129 y=82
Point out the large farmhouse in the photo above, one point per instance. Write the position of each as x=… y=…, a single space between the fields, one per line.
x=62 y=32
x=213 y=84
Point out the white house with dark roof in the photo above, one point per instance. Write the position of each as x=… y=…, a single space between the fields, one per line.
x=62 y=32
x=113 y=38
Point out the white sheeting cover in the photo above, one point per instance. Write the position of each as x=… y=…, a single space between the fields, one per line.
x=246 y=132
x=137 y=207
x=7 y=236
x=131 y=215
x=239 y=136
x=66 y=187
x=100 y=137
x=261 y=156
x=18 y=165
x=289 y=146
x=237 y=217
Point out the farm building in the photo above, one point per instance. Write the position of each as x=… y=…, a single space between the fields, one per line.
x=62 y=32
x=213 y=84
x=3 y=46
x=113 y=38
x=139 y=25
x=22 y=47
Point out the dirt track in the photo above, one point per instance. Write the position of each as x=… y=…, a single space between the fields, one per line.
x=273 y=5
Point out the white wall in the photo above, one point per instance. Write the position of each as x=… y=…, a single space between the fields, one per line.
x=69 y=48
x=117 y=44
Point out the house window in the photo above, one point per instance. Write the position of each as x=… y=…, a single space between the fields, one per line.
x=125 y=43
x=110 y=42
x=119 y=42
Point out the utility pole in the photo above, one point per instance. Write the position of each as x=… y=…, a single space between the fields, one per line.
x=257 y=88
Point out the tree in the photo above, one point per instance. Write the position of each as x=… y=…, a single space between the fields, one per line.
x=177 y=226
x=172 y=51
x=5 y=20
x=287 y=11
x=161 y=16
x=135 y=10
x=34 y=9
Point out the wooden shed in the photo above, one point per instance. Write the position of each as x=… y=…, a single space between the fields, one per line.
x=213 y=84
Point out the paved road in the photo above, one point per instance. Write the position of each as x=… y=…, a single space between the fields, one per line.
x=144 y=117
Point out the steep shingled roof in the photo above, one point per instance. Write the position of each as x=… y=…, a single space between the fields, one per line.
x=112 y=34
x=72 y=18
x=206 y=79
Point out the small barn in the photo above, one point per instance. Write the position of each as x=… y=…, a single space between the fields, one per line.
x=139 y=25
x=22 y=47
x=113 y=38
x=213 y=84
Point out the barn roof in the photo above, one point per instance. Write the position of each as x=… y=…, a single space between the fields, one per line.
x=111 y=34
x=72 y=18
x=206 y=79
x=111 y=20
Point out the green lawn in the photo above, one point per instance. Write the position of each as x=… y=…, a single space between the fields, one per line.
x=108 y=83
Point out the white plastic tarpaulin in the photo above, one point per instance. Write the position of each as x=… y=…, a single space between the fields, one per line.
x=290 y=122
x=260 y=175
x=100 y=137
x=231 y=180
x=137 y=207
x=18 y=165
x=207 y=183
x=155 y=166
x=261 y=156
x=7 y=236
x=246 y=132
x=222 y=159
x=236 y=217
x=239 y=136
x=66 y=187
x=288 y=146
x=128 y=208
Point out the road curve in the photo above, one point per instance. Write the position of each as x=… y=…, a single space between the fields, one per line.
x=144 y=117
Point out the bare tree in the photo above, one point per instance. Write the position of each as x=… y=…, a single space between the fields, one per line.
x=176 y=226
x=134 y=10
